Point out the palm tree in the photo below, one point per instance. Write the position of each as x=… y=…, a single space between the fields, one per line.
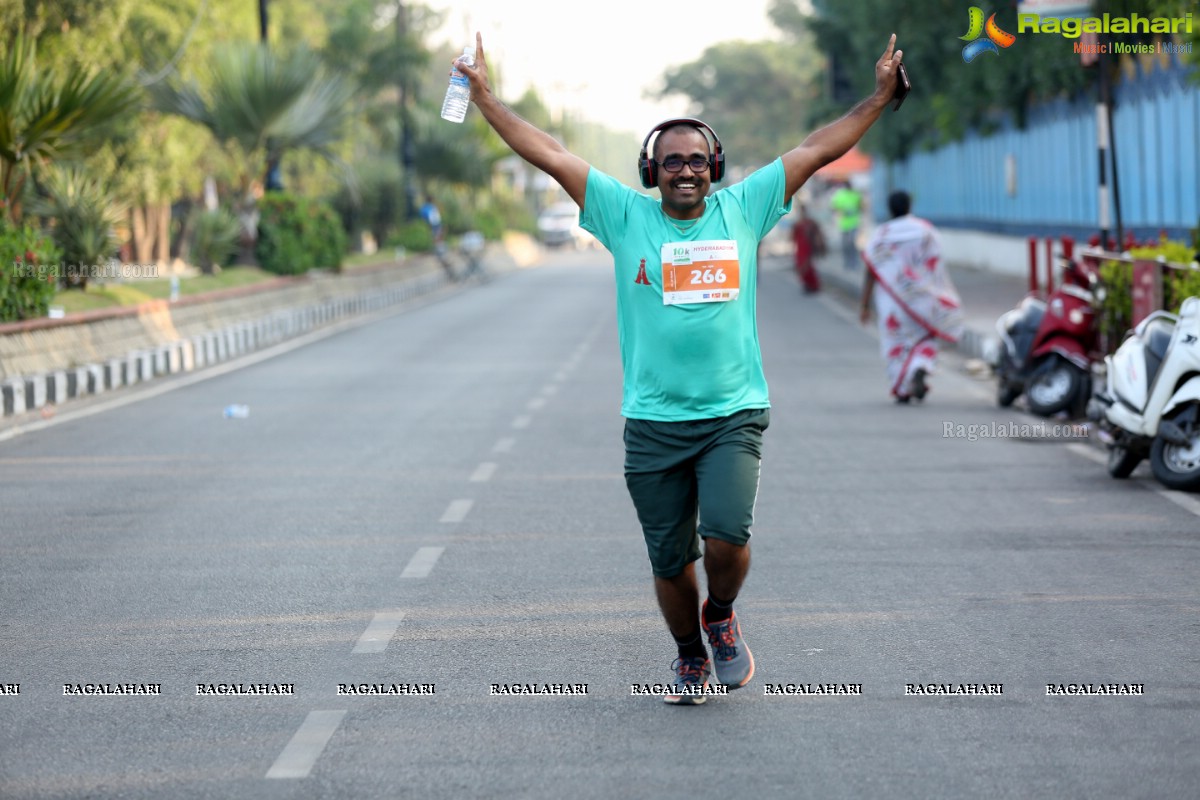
x=264 y=103
x=44 y=119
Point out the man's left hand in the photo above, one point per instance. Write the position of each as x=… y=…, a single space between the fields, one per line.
x=885 y=70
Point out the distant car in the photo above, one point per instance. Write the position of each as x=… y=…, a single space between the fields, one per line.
x=558 y=226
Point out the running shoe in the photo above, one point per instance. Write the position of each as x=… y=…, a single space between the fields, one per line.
x=731 y=657
x=691 y=681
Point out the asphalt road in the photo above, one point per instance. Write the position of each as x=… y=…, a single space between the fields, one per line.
x=435 y=501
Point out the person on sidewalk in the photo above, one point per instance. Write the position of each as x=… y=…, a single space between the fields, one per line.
x=695 y=397
x=809 y=243
x=914 y=299
x=847 y=213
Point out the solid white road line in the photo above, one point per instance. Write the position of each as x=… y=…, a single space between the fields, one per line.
x=1088 y=452
x=170 y=383
x=457 y=510
x=1182 y=500
x=302 y=752
x=484 y=472
x=379 y=632
x=422 y=563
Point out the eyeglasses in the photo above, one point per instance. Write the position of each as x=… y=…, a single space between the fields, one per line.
x=675 y=163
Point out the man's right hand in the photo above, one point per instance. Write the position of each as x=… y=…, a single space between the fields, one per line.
x=532 y=144
x=478 y=74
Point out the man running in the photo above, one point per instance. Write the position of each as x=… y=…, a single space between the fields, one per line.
x=695 y=397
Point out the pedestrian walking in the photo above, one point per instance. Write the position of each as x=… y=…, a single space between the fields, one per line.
x=914 y=298
x=847 y=205
x=808 y=244
x=695 y=397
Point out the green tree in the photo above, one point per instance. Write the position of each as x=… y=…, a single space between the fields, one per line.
x=44 y=118
x=260 y=105
x=949 y=96
x=264 y=103
x=753 y=93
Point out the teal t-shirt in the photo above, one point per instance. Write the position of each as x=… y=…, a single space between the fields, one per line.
x=687 y=360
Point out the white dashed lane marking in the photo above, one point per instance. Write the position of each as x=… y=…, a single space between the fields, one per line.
x=422 y=563
x=484 y=472
x=522 y=421
x=536 y=403
x=457 y=511
x=504 y=445
x=379 y=632
x=306 y=746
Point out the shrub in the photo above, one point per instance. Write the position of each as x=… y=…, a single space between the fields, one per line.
x=414 y=235
x=296 y=234
x=215 y=240
x=83 y=220
x=1117 y=312
x=28 y=272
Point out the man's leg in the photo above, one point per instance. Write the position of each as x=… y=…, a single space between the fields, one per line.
x=679 y=599
x=725 y=565
x=728 y=475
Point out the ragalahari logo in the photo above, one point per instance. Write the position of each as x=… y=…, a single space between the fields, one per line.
x=996 y=38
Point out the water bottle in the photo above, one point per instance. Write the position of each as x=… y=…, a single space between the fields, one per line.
x=237 y=411
x=458 y=94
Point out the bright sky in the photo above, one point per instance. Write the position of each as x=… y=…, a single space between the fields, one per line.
x=599 y=58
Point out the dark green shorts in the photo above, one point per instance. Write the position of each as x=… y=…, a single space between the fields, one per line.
x=679 y=473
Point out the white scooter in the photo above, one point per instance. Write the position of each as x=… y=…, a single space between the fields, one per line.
x=1150 y=405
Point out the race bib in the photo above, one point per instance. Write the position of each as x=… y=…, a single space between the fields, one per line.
x=700 y=272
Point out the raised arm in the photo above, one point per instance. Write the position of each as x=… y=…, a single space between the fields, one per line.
x=824 y=145
x=529 y=142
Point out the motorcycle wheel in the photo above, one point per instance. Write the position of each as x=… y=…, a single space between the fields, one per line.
x=1121 y=461
x=1176 y=466
x=1054 y=386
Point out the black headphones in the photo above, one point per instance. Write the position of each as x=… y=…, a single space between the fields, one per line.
x=648 y=169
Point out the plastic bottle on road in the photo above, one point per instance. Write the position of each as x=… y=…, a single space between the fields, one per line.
x=237 y=411
x=458 y=94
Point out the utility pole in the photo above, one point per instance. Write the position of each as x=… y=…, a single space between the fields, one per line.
x=407 y=150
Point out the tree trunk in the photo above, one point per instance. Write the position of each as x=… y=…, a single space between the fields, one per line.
x=141 y=248
x=163 y=235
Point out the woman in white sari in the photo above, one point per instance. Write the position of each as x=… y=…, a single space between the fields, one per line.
x=914 y=300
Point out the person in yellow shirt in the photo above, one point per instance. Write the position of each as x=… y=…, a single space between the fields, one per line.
x=847 y=212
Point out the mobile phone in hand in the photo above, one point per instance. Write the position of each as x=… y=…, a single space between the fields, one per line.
x=903 y=86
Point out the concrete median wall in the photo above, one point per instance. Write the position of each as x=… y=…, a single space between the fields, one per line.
x=48 y=362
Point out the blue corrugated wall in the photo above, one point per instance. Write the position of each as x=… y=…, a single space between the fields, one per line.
x=1156 y=133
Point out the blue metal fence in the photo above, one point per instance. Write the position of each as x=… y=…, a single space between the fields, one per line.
x=1052 y=188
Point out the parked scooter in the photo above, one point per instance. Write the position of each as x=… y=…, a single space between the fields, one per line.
x=1150 y=406
x=1047 y=347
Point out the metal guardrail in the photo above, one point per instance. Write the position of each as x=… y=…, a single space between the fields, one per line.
x=1125 y=257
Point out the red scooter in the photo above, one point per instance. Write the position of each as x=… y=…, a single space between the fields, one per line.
x=1047 y=346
